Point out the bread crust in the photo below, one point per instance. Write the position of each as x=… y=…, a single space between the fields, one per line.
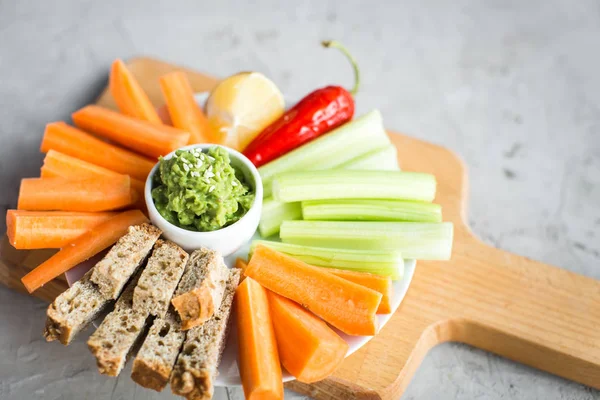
x=154 y=362
x=197 y=364
x=199 y=300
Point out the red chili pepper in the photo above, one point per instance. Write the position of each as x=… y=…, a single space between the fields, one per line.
x=317 y=113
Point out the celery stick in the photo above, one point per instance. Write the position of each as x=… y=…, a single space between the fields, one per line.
x=382 y=159
x=347 y=184
x=419 y=240
x=357 y=137
x=371 y=210
x=387 y=263
x=274 y=213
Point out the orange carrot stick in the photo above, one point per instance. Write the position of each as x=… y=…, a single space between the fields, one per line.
x=185 y=113
x=57 y=164
x=28 y=230
x=129 y=95
x=241 y=264
x=346 y=305
x=44 y=194
x=258 y=358
x=139 y=187
x=77 y=143
x=381 y=284
x=141 y=136
x=308 y=348
x=82 y=248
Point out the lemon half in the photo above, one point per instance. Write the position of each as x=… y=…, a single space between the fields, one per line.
x=241 y=106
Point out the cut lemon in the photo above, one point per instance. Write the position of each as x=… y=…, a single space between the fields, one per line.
x=241 y=106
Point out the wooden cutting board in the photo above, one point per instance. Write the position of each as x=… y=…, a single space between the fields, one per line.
x=533 y=313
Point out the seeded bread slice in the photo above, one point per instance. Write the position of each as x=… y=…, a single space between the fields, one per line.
x=117 y=335
x=159 y=278
x=202 y=292
x=154 y=361
x=196 y=366
x=74 y=309
x=124 y=258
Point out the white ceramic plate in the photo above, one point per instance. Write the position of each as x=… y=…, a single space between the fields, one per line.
x=229 y=374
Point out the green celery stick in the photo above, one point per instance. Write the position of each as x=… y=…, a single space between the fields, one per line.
x=371 y=210
x=386 y=263
x=418 y=240
x=274 y=213
x=382 y=159
x=350 y=184
x=353 y=139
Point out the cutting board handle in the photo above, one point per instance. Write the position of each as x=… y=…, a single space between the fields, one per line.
x=524 y=310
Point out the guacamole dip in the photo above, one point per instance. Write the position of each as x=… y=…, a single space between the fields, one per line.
x=201 y=191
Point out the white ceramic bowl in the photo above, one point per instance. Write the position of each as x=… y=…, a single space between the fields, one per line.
x=225 y=240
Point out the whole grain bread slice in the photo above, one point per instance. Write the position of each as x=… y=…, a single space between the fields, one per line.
x=202 y=292
x=159 y=278
x=124 y=258
x=196 y=367
x=114 y=339
x=74 y=309
x=155 y=359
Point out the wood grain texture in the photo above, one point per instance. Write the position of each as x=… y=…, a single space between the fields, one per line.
x=526 y=311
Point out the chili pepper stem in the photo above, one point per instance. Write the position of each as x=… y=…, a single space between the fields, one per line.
x=339 y=46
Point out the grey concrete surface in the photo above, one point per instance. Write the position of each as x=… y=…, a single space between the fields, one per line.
x=512 y=86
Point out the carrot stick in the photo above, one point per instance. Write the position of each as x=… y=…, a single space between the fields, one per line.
x=185 y=113
x=28 y=230
x=346 y=305
x=57 y=164
x=77 y=143
x=381 y=284
x=138 y=186
x=85 y=246
x=141 y=136
x=241 y=264
x=43 y=194
x=308 y=348
x=129 y=95
x=258 y=358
